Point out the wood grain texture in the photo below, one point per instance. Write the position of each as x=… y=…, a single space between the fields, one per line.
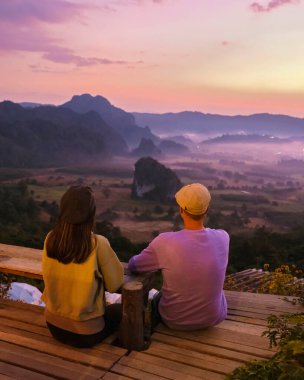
x=28 y=351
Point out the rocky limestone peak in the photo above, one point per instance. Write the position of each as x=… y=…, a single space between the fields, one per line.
x=152 y=180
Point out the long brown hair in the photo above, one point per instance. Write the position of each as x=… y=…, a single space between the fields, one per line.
x=71 y=243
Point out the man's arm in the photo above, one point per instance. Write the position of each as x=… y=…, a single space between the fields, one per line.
x=146 y=261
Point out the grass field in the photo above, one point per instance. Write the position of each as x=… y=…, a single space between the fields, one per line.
x=246 y=194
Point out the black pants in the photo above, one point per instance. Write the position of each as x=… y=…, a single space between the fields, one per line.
x=112 y=319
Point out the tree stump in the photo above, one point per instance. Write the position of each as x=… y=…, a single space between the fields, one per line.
x=131 y=331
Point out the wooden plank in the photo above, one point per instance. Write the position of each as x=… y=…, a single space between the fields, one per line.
x=134 y=373
x=270 y=308
x=217 y=333
x=192 y=357
x=42 y=334
x=23 y=326
x=5 y=377
x=21 y=261
x=267 y=301
x=206 y=349
x=21 y=305
x=47 y=364
x=167 y=368
x=21 y=373
x=11 y=329
x=115 y=376
x=220 y=339
x=240 y=327
x=91 y=357
x=22 y=312
x=26 y=262
x=237 y=347
x=106 y=350
x=30 y=332
x=247 y=320
x=252 y=311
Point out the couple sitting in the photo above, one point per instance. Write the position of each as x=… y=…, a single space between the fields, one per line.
x=79 y=265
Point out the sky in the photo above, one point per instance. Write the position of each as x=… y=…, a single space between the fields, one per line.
x=213 y=56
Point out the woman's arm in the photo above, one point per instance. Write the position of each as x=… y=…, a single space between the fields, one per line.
x=109 y=265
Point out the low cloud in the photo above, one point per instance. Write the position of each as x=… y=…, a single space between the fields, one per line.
x=134 y=2
x=27 y=12
x=271 y=5
x=64 y=55
x=22 y=28
x=36 y=41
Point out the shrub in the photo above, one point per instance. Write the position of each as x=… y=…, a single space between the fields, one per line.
x=287 y=364
x=5 y=284
x=285 y=331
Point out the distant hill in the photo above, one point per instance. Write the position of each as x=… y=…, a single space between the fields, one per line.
x=119 y=119
x=182 y=140
x=165 y=147
x=48 y=135
x=172 y=147
x=145 y=148
x=292 y=164
x=209 y=124
x=245 y=139
x=33 y=105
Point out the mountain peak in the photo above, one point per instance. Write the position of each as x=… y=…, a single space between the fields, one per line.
x=10 y=111
x=117 y=118
x=88 y=99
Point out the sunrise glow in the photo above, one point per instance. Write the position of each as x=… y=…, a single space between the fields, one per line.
x=215 y=56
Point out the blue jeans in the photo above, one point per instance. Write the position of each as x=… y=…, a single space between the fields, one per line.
x=155 y=315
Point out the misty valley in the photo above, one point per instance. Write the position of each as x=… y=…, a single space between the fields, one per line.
x=255 y=178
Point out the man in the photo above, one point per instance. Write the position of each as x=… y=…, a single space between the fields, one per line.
x=193 y=263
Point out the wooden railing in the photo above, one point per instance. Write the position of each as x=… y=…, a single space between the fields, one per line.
x=134 y=332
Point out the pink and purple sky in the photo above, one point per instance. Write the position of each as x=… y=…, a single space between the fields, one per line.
x=215 y=56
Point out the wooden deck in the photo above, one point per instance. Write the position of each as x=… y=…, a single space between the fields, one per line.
x=29 y=352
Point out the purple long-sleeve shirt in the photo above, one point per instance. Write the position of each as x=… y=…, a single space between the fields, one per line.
x=193 y=265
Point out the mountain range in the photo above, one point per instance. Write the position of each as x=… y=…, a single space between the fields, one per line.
x=87 y=129
x=246 y=139
x=122 y=121
x=188 y=123
x=49 y=135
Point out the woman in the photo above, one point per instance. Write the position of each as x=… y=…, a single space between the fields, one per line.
x=77 y=267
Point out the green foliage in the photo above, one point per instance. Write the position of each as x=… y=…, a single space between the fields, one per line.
x=282 y=282
x=253 y=249
x=284 y=328
x=124 y=248
x=256 y=370
x=100 y=171
x=16 y=203
x=287 y=364
x=287 y=331
x=291 y=360
x=248 y=198
x=5 y=283
x=12 y=173
x=19 y=218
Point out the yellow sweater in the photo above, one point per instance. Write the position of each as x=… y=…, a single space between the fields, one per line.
x=74 y=293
